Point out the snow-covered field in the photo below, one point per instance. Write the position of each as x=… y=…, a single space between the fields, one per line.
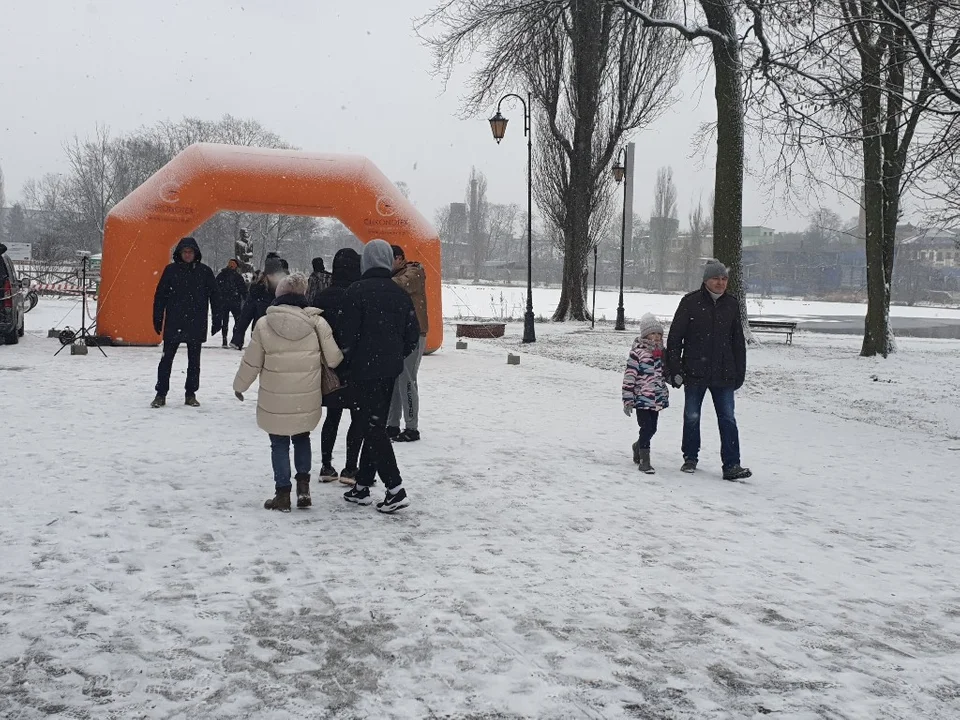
x=500 y=301
x=536 y=575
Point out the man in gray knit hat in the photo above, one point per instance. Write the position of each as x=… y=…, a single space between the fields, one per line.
x=706 y=350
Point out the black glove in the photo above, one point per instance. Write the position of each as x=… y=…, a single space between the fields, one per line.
x=676 y=380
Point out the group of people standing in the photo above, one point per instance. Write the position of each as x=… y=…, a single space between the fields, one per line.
x=366 y=321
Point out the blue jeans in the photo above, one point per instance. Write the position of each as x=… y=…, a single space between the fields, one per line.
x=280 y=455
x=724 y=405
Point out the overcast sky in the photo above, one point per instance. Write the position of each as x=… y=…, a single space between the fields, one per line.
x=326 y=75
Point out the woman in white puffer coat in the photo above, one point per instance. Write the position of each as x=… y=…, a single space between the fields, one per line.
x=285 y=352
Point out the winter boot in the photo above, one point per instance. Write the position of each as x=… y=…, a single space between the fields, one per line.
x=328 y=473
x=303 y=490
x=393 y=432
x=349 y=476
x=359 y=495
x=191 y=400
x=408 y=436
x=689 y=466
x=159 y=401
x=645 y=466
x=636 y=452
x=281 y=501
x=394 y=500
x=735 y=472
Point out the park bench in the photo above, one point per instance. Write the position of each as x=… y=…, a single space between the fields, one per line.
x=783 y=327
x=481 y=330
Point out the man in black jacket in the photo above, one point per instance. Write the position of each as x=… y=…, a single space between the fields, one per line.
x=233 y=290
x=186 y=288
x=261 y=295
x=706 y=350
x=377 y=329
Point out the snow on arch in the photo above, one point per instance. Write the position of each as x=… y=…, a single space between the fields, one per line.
x=207 y=178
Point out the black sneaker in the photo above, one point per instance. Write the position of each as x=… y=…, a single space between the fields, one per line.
x=393 y=501
x=408 y=436
x=359 y=495
x=159 y=401
x=636 y=452
x=735 y=472
x=328 y=473
x=689 y=466
x=393 y=432
x=349 y=476
x=191 y=400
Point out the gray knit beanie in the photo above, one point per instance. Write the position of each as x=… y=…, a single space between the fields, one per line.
x=650 y=324
x=715 y=268
x=376 y=254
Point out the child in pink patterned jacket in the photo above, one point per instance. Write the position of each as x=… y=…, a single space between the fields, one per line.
x=645 y=387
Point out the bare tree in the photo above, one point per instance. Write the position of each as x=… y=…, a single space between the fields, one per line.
x=840 y=88
x=594 y=73
x=692 y=251
x=825 y=228
x=663 y=221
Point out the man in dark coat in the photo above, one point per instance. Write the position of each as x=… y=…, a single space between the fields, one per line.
x=377 y=329
x=186 y=288
x=261 y=295
x=233 y=290
x=319 y=281
x=346 y=271
x=706 y=350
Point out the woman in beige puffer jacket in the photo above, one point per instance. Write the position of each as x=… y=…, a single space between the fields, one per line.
x=285 y=351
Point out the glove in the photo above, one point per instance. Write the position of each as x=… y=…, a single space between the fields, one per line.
x=628 y=410
x=239 y=395
x=676 y=381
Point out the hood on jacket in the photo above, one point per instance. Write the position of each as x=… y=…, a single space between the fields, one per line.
x=346 y=267
x=187 y=242
x=273 y=265
x=291 y=322
x=377 y=254
x=317 y=263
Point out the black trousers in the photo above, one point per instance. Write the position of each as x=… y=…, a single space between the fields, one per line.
x=225 y=313
x=328 y=437
x=166 y=365
x=373 y=402
x=647 y=420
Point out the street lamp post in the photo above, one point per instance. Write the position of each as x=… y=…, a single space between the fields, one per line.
x=498 y=124
x=619 y=172
x=593 y=313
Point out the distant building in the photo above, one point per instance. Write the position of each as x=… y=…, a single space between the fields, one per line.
x=936 y=247
x=754 y=235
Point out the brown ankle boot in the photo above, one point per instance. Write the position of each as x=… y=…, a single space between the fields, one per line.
x=303 y=490
x=281 y=501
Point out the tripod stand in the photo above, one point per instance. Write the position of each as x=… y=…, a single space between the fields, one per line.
x=78 y=341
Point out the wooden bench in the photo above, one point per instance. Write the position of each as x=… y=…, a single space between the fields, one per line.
x=481 y=330
x=783 y=327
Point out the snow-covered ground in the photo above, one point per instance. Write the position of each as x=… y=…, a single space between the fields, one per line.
x=498 y=301
x=536 y=575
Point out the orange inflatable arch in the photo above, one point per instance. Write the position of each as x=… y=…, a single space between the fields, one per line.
x=142 y=230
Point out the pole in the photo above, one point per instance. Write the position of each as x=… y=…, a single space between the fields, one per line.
x=593 y=314
x=621 y=320
x=529 y=332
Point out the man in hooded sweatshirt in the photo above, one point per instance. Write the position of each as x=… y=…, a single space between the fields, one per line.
x=376 y=330
x=186 y=290
x=706 y=350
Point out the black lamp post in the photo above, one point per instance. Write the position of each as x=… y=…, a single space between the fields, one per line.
x=619 y=171
x=498 y=124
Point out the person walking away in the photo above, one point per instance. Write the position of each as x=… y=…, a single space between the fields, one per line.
x=286 y=351
x=406 y=395
x=187 y=288
x=377 y=329
x=320 y=280
x=261 y=296
x=645 y=387
x=346 y=271
x=706 y=351
x=233 y=290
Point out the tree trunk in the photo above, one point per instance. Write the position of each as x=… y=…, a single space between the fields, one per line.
x=728 y=185
x=877 y=339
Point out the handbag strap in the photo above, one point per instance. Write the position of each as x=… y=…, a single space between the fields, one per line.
x=323 y=358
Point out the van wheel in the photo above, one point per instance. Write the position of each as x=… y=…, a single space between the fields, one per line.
x=13 y=338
